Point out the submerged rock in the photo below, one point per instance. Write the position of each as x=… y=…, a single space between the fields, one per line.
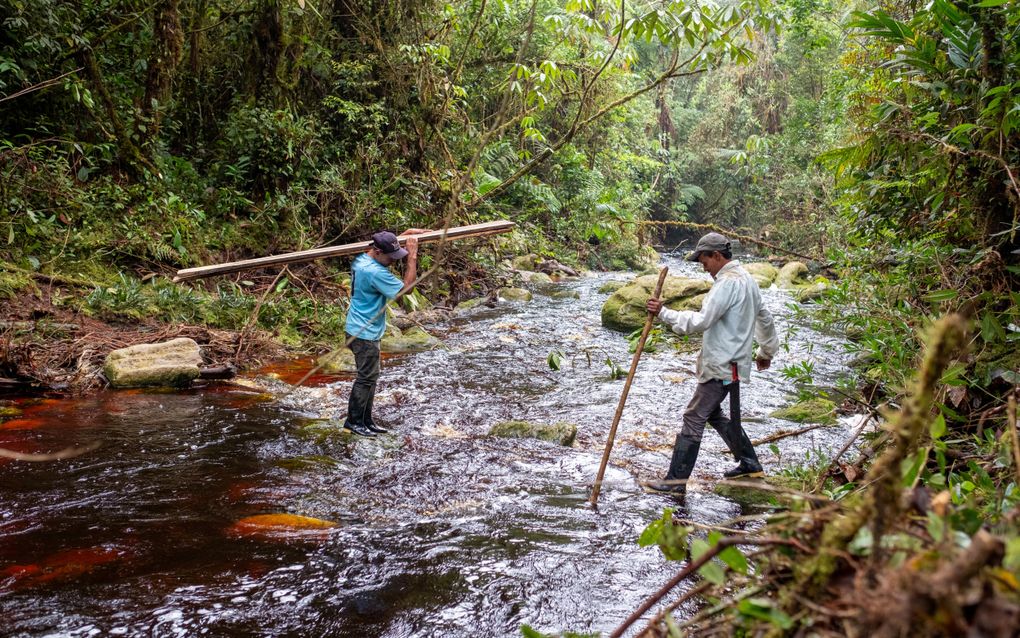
x=625 y=308
x=562 y=433
x=816 y=410
x=280 y=525
x=172 y=363
x=565 y=294
x=762 y=272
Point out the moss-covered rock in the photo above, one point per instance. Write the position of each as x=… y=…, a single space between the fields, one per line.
x=792 y=274
x=813 y=291
x=816 y=410
x=611 y=286
x=539 y=278
x=338 y=361
x=625 y=308
x=515 y=294
x=469 y=304
x=172 y=363
x=414 y=339
x=8 y=411
x=762 y=272
x=565 y=294
x=562 y=433
x=525 y=262
x=301 y=463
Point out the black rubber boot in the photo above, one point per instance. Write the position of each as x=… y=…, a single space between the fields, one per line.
x=743 y=452
x=685 y=453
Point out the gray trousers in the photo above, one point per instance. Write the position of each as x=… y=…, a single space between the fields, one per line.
x=706 y=407
x=366 y=359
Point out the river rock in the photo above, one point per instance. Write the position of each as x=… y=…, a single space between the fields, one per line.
x=171 y=363
x=625 y=308
x=815 y=410
x=469 y=304
x=539 y=278
x=762 y=272
x=792 y=274
x=338 y=361
x=562 y=433
x=526 y=262
x=611 y=286
x=413 y=339
x=565 y=294
x=515 y=294
x=280 y=525
x=814 y=291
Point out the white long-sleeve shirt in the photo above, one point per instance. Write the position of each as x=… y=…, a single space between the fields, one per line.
x=732 y=316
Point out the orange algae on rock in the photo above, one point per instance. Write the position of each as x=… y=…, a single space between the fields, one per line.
x=280 y=526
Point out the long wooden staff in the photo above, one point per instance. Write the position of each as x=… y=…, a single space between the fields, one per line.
x=626 y=390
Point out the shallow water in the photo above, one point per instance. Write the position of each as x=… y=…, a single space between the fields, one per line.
x=441 y=531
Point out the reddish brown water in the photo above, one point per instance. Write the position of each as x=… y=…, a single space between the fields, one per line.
x=439 y=530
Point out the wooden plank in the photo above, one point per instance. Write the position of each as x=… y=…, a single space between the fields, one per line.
x=301 y=256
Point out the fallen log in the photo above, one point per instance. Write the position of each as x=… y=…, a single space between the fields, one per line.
x=301 y=256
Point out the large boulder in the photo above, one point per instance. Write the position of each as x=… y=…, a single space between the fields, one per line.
x=762 y=272
x=172 y=363
x=792 y=275
x=562 y=433
x=625 y=308
x=526 y=262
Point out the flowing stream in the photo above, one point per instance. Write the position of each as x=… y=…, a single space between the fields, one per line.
x=441 y=530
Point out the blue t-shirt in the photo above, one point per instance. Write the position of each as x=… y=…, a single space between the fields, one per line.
x=372 y=284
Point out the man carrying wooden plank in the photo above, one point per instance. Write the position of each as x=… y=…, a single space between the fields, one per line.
x=732 y=316
x=372 y=286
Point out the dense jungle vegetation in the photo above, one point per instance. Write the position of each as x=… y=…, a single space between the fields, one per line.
x=140 y=137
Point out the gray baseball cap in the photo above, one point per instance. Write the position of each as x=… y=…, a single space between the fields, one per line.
x=710 y=243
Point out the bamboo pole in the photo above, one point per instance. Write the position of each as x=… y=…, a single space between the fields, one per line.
x=626 y=390
x=301 y=256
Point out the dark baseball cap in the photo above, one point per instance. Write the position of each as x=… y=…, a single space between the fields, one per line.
x=710 y=243
x=388 y=243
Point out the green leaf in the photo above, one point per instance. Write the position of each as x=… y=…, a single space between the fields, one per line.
x=941 y=295
x=735 y=559
x=554 y=359
x=713 y=573
x=528 y=632
x=938 y=427
x=762 y=609
x=912 y=467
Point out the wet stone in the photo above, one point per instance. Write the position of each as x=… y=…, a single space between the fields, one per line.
x=7 y=411
x=625 y=308
x=816 y=410
x=562 y=433
x=515 y=294
x=762 y=272
x=172 y=363
x=413 y=339
x=814 y=291
x=792 y=274
x=611 y=286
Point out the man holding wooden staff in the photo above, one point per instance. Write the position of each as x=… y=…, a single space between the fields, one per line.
x=372 y=286
x=731 y=316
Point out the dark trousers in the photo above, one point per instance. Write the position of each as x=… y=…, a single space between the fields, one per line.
x=706 y=407
x=366 y=358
